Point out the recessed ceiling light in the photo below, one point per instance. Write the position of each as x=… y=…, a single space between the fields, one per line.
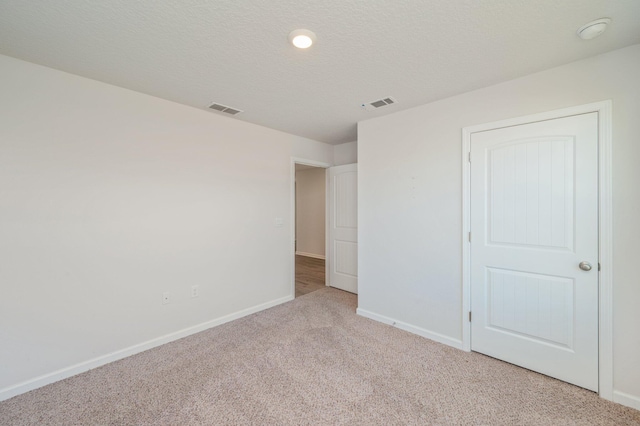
x=593 y=29
x=302 y=39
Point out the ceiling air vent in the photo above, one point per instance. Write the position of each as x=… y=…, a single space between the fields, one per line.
x=224 y=108
x=370 y=106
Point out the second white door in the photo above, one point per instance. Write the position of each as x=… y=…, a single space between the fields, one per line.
x=534 y=246
x=343 y=228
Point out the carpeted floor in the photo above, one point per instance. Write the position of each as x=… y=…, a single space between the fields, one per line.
x=311 y=361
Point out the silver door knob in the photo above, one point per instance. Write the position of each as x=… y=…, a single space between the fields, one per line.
x=585 y=266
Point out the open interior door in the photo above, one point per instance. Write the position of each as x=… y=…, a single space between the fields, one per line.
x=342 y=265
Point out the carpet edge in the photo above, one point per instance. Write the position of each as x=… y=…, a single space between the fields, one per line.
x=431 y=335
x=626 y=399
x=81 y=367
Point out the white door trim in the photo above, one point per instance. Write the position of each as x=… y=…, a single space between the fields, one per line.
x=605 y=229
x=292 y=198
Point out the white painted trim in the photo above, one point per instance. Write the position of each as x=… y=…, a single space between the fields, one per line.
x=466 y=246
x=313 y=255
x=81 y=367
x=605 y=239
x=626 y=399
x=605 y=229
x=292 y=198
x=431 y=335
x=327 y=228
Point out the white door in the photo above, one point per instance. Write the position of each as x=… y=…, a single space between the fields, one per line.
x=343 y=228
x=534 y=219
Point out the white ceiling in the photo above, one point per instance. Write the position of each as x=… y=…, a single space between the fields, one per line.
x=236 y=52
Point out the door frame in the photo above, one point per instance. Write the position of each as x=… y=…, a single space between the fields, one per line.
x=292 y=197
x=605 y=228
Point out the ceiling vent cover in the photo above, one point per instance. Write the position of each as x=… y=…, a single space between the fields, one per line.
x=370 y=106
x=223 y=108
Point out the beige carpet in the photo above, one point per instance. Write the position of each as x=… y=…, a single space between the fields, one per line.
x=311 y=361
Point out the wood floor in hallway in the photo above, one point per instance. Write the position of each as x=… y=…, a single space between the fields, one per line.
x=309 y=275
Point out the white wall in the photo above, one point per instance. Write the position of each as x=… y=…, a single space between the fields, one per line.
x=410 y=202
x=108 y=198
x=310 y=212
x=345 y=153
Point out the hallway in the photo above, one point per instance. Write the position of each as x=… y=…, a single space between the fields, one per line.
x=310 y=275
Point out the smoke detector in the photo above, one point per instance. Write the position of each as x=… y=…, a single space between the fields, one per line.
x=593 y=29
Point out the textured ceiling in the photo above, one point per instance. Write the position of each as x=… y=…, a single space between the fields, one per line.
x=236 y=52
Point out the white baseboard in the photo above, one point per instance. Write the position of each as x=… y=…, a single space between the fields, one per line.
x=626 y=399
x=45 y=379
x=315 y=256
x=437 y=337
x=618 y=397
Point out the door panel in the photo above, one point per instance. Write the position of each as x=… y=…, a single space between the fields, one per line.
x=534 y=218
x=531 y=192
x=346 y=258
x=343 y=227
x=527 y=305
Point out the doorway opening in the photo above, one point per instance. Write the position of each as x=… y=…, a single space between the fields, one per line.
x=309 y=228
